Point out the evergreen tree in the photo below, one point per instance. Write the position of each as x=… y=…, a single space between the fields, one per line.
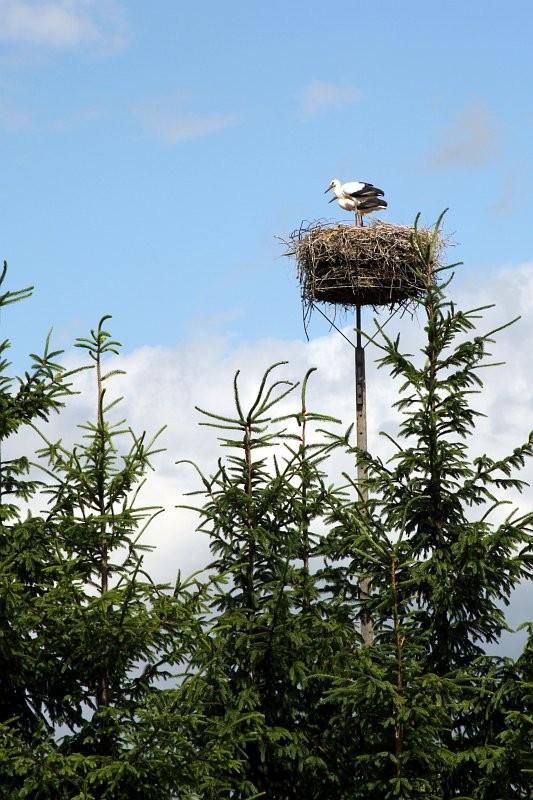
x=96 y=700
x=273 y=635
x=28 y=683
x=442 y=566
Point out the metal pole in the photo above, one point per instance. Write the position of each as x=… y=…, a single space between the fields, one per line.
x=361 y=430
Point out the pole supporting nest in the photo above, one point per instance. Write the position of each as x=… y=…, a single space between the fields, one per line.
x=361 y=432
x=360 y=386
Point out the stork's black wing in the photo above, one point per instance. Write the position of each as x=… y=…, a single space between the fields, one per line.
x=368 y=190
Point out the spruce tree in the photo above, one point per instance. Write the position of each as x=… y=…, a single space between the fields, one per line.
x=96 y=697
x=442 y=566
x=276 y=643
x=28 y=683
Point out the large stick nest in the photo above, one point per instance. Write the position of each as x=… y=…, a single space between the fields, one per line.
x=348 y=266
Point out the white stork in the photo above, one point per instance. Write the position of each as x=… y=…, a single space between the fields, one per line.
x=357 y=196
x=361 y=207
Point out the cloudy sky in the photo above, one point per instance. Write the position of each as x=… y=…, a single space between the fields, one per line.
x=153 y=153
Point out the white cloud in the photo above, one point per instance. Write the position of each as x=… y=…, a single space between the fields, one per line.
x=471 y=142
x=320 y=96
x=62 y=24
x=172 y=123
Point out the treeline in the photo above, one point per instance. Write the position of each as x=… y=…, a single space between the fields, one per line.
x=251 y=679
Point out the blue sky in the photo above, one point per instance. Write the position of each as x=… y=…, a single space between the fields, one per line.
x=151 y=153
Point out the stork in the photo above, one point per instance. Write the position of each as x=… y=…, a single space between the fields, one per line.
x=360 y=207
x=353 y=196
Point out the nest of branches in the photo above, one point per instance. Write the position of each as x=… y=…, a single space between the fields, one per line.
x=348 y=266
